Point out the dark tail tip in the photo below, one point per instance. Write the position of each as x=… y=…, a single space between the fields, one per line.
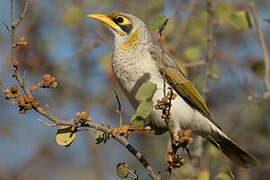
x=234 y=151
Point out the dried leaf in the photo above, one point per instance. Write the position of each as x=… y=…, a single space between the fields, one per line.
x=122 y=170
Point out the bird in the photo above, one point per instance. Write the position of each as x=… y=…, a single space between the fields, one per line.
x=138 y=58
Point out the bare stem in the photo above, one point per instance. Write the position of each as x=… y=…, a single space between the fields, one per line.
x=211 y=45
x=264 y=49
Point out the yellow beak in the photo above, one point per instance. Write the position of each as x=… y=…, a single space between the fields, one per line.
x=107 y=21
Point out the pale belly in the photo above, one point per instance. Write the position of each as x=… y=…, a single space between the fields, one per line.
x=183 y=115
x=130 y=74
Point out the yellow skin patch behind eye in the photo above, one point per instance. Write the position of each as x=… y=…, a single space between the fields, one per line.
x=125 y=20
x=131 y=42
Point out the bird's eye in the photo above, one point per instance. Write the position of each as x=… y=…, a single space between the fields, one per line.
x=119 y=20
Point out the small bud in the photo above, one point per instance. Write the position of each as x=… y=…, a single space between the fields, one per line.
x=54 y=85
x=40 y=84
x=14 y=88
x=190 y=140
x=89 y=119
x=9 y=95
x=46 y=77
x=84 y=115
x=102 y=123
x=21 y=101
x=180 y=133
x=187 y=132
x=14 y=103
x=28 y=106
x=36 y=104
x=182 y=139
x=16 y=63
x=46 y=106
x=78 y=115
x=27 y=99
x=22 y=111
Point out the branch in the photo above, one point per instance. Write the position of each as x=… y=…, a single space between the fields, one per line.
x=264 y=49
x=21 y=16
x=211 y=44
x=91 y=125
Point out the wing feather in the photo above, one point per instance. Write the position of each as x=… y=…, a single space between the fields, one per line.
x=176 y=78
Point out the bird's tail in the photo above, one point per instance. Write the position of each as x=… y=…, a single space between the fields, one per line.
x=232 y=150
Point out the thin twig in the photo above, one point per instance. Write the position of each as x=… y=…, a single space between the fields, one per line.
x=264 y=49
x=211 y=45
x=6 y=26
x=21 y=16
x=47 y=124
x=118 y=111
x=91 y=125
x=3 y=85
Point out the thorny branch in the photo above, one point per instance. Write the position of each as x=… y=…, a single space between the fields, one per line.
x=264 y=49
x=74 y=123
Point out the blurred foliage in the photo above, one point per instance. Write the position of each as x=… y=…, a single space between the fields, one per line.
x=227 y=14
x=77 y=51
x=73 y=15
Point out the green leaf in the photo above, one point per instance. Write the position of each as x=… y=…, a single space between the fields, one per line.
x=146 y=91
x=65 y=136
x=141 y=117
x=192 y=53
x=156 y=22
x=240 y=20
x=101 y=137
